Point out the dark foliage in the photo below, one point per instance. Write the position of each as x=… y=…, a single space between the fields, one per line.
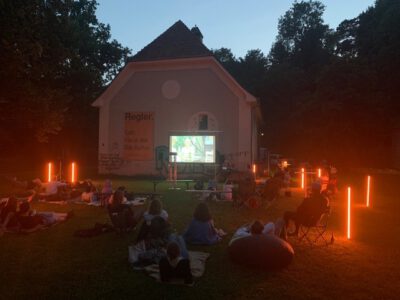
x=56 y=59
x=328 y=94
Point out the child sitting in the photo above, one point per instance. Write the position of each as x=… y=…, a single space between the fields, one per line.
x=174 y=266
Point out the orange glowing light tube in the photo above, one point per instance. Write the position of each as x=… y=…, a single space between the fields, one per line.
x=73 y=173
x=348 y=212
x=368 y=188
x=319 y=172
x=49 y=171
x=302 y=178
x=254 y=168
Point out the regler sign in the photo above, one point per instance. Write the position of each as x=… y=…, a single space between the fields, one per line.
x=139 y=136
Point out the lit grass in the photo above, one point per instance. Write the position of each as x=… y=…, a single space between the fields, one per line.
x=55 y=264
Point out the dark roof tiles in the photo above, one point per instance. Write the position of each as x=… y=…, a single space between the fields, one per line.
x=176 y=42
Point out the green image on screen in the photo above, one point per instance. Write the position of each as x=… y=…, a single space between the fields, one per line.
x=193 y=148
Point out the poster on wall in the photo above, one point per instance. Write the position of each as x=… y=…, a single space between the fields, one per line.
x=139 y=136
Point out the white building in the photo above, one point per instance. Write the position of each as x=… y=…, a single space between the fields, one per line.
x=175 y=87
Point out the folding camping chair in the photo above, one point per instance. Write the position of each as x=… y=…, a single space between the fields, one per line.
x=314 y=232
x=247 y=194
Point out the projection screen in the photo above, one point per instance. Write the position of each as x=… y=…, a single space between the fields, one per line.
x=193 y=148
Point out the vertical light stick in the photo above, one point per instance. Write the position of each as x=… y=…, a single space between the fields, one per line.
x=368 y=187
x=254 y=168
x=49 y=171
x=319 y=172
x=73 y=175
x=302 y=178
x=348 y=212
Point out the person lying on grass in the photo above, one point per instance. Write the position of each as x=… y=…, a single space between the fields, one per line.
x=201 y=230
x=31 y=220
x=175 y=266
x=257 y=227
x=8 y=215
x=26 y=220
x=155 y=210
x=54 y=190
x=309 y=211
x=25 y=187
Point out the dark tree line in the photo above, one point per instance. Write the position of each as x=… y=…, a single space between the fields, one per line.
x=328 y=94
x=55 y=59
x=324 y=93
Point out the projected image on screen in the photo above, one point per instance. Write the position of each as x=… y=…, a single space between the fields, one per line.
x=193 y=148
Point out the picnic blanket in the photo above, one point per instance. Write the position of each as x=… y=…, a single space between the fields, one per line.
x=197 y=266
x=197 y=263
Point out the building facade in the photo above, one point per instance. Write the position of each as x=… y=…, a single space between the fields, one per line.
x=171 y=93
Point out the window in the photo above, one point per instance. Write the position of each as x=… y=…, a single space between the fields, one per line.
x=203 y=122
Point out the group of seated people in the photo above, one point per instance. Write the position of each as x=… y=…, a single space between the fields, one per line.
x=17 y=216
x=173 y=261
x=160 y=243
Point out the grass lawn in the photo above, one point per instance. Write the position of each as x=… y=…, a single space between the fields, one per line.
x=55 y=264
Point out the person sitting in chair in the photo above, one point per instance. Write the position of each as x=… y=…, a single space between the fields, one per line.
x=309 y=211
x=272 y=187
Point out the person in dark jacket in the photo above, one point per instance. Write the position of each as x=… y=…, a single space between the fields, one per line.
x=309 y=211
x=175 y=266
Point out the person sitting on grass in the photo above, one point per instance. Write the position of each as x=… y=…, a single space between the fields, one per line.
x=175 y=266
x=257 y=227
x=106 y=192
x=155 y=210
x=121 y=214
x=152 y=248
x=201 y=229
x=124 y=198
x=309 y=211
x=89 y=195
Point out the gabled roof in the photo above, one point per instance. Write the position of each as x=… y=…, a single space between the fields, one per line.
x=178 y=48
x=176 y=42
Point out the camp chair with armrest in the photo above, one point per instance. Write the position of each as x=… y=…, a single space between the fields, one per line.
x=315 y=230
x=246 y=194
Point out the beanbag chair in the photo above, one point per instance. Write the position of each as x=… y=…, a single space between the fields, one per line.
x=261 y=251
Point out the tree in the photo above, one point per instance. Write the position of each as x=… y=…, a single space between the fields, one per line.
x=302 y=36
x=56 y=58
x=252 y=69
x=227 y=60
x=345 y=35
x=334 y=94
